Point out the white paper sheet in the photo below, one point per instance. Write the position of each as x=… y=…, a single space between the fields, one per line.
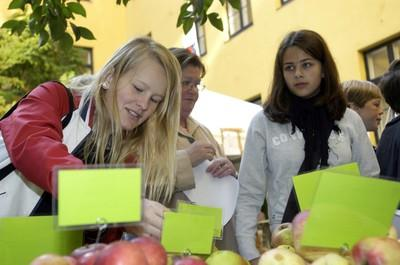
x=214 y=192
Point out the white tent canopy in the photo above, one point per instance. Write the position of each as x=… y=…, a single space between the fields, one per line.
x=217 y=111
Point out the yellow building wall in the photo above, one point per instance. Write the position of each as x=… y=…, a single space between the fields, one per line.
x=242 y=66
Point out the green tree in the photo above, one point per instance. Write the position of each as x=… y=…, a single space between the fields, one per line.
x=53 y=18
x=24 y=65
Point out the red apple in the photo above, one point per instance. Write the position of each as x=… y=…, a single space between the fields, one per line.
x=280 y=256
x=88 y=258
x=121 y=253
x=52 y=259
x=298 y=228
x=282 y=235
x=152 y=249
x=78 y=252
x=225 y=257
x=376 y=251
x=308 y=253
x=189 y=260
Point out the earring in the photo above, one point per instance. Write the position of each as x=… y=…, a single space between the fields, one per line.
x=106 y=84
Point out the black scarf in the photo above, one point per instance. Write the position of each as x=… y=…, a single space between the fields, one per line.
x=316 y=126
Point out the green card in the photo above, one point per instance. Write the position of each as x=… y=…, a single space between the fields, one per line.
x=347 y=208
x=90 y=196
x=187 y=233
x=24 y=238
x=306 y=184
x=216 y=213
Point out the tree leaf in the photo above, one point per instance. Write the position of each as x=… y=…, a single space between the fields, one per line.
x=207 y=4
x=235 y=4
x=76 y=31
x=37 y=13
x=43 y=37
x=118 y=2
x=17 y=4
x=86 y=33
x=216 y=21
x=77 y=8
x=67 y=12
x=57 y=28
x=187 y=24
x=125 y=2
x=10 y=24
x=16 y=26
x=182 y=14
x=66 y=41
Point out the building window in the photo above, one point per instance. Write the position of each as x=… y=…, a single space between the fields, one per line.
x=201 y=39
x=239 y=20
x=378 y=59
x=87 y=54
x=283 y=2
x=255 y=99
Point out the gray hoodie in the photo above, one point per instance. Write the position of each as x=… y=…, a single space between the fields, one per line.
x=272 y=156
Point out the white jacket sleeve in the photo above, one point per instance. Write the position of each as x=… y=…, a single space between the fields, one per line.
x=253 y=186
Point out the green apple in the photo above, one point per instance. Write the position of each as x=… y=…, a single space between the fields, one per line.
x=282 y=235
x=225 y=257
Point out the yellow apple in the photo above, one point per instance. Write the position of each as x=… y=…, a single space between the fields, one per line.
x=280 y=256
x=331 y=259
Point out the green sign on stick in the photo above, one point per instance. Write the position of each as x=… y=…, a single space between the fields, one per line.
x=88 y=197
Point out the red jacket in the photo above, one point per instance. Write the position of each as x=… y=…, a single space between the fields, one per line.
x=33 y=134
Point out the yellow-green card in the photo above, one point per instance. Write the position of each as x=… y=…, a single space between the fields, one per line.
x=188 y=233
x=347 y=208
x=24 y=238
x=216 y=213
x=306 y=184
x=90 y=196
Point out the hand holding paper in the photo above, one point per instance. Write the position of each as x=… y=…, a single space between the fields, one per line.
x=214 y=192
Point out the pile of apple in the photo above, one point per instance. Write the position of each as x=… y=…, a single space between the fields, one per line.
x=138 y=251
x=287 y=250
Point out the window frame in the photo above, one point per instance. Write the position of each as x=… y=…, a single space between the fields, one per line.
x=284 y=2
x=390 y=56
x=240 y=11
x=90 y=60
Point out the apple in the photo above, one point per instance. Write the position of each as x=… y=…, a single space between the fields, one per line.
x=288 y=247
x=308 y=253
x=225 y=257
x=376 y=251
x=282 y=235
x=53 y=259
x=280 y=256
x=152 y=249
x=298 y=227
x=189 y=260
x=78 y=252
x=86 y=255
x=121 y=253
x=331 y=259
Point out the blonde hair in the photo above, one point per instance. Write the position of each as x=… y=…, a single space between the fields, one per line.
x=360 y=92
x=153 y=143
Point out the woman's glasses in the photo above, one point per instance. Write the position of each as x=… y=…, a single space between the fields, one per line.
x=189 y=84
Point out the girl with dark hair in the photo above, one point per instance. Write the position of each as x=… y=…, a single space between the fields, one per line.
x=304 y=126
